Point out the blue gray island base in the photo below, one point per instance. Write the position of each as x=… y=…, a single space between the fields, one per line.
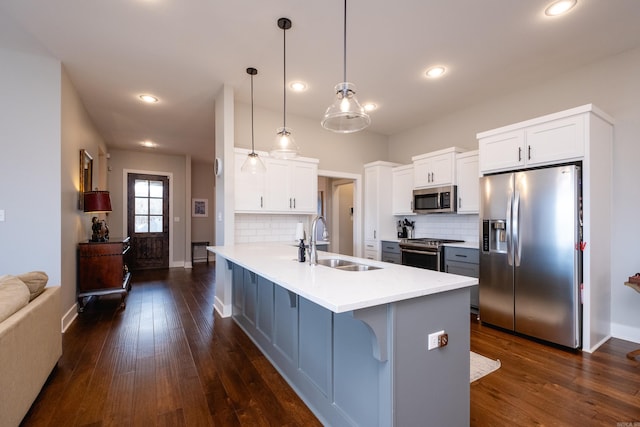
x=366 y=367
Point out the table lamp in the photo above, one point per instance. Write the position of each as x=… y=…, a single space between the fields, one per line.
x=98 y=202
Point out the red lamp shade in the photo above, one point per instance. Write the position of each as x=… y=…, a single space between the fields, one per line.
x=97 y=201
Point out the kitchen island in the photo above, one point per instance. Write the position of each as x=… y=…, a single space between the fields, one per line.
x=353 y=344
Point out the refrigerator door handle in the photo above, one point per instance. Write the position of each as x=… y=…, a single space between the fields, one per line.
x=517 y=247
x=508 y=218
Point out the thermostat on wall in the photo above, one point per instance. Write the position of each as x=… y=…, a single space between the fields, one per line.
x=217 y=166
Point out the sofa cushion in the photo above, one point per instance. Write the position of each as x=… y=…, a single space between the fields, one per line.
x=14 y=295
x=35 y=281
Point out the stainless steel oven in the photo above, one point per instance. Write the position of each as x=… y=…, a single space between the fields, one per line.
x=424 y=252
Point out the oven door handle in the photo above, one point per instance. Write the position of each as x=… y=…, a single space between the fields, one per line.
x=412 y=251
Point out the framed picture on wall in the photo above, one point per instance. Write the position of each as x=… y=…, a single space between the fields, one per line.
x=86 y=176
x=200 y=207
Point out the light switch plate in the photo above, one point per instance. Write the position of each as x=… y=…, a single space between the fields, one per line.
x=1 y=215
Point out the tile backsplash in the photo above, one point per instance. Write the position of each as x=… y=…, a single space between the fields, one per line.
x=446 y=226
x=252 y=228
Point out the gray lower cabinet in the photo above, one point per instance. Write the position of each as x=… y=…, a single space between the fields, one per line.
x=464 y=262
x=391 y=252
x=367 y=367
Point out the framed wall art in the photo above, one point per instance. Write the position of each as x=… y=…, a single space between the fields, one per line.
x=86 y=176
x=199 y=207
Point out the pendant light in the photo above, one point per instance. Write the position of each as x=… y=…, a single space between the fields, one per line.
x=253 y=164
x=345 y=115
x=284 y=146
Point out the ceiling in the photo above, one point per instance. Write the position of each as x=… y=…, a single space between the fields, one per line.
x=184 y=51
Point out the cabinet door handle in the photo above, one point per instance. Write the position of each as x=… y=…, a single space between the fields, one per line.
x=461 y=256
x=459 y=202
x=261 y=204
x=519 y=154
x=529 y=153
x=374 y=234
x=289 y=202
x=294 y=203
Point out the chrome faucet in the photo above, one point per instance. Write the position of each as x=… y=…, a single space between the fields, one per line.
x=313 y=251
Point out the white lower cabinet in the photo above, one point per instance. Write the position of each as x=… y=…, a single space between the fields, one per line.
x=287 y=186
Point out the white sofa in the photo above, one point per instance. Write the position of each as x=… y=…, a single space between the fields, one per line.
x=30 y=346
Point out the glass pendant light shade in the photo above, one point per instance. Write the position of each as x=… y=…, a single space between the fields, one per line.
x=284 y=146
x=345 y=115
x=252 y=164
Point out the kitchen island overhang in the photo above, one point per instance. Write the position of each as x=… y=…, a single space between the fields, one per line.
x=353 y=344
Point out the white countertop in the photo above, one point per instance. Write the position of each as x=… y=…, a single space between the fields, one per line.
x=339 y=290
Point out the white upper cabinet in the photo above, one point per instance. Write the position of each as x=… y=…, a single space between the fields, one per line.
x=543 y=141
x=402 y=190
x=287 y=186
x=468 y=182
x=435 y=169
x=249 y=188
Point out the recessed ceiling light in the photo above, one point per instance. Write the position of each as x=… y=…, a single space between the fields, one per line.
x=148 y=98
x=436 y=71
x=559 y=7
x=370 y=106
x=298 y=86
x=148 y=144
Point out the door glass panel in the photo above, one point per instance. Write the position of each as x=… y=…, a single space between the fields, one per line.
x=142 y=206
x=155 y=206
x=142 y=188
x=149 y=205
x=155 y=189
x=155 y=224
x=142 y=224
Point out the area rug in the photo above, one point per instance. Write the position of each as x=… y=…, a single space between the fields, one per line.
x=481 y=366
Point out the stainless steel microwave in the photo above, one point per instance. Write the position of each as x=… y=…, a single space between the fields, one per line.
x=435 y=200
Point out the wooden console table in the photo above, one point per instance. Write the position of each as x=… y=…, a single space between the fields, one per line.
x=199 y=244
x=636 y=287
x=102 y=270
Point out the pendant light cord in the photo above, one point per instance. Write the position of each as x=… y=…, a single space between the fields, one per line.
x=284 y=78
x=345 y=41
x=252 y=149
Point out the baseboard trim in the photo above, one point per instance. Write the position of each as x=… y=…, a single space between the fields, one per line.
x=69 y=317
x=222 y=309
x=625 y=332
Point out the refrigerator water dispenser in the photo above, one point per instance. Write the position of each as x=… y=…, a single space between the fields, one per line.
x=494 y=236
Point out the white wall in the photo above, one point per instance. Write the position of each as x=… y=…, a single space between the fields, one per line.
x=78 y=132
x=153 y=163
x=612 y=85
x=203 y=187
x=30 y=160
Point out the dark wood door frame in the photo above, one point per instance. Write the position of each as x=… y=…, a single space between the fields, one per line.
x=150 y=249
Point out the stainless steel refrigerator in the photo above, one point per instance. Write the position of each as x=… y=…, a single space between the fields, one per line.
x=530 y=258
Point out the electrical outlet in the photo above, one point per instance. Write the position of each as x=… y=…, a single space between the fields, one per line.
x=434 y=340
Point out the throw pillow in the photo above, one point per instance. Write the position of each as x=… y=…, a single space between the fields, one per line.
x=35 y=281
x=13 y=296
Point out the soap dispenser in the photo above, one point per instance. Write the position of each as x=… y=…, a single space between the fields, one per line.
x=301 y=251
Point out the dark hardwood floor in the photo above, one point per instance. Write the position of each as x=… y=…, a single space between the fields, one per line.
x=167 y=360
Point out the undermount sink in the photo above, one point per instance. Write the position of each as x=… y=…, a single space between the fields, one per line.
x=345 y=265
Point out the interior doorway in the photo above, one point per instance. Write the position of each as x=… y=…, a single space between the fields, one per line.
x=340 y=194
